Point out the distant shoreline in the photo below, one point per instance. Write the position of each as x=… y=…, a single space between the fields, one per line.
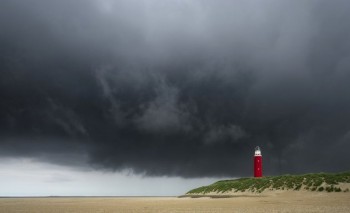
x=170 y=196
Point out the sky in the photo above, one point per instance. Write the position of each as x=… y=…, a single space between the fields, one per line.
x=155 y=97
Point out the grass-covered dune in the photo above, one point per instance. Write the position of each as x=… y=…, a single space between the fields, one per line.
x=338 y=182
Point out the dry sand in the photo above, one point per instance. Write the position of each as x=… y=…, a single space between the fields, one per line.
x=273 y=202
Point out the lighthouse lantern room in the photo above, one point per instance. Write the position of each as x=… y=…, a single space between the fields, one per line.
x=257 y=162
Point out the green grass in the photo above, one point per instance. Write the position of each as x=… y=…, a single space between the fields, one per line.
x=311 y=182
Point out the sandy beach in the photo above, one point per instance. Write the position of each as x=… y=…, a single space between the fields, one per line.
x=276 y=202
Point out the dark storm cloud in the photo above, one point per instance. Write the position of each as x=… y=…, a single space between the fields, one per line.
x=178 y=88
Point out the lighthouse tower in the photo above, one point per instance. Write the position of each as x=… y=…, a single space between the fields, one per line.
x=257 y=162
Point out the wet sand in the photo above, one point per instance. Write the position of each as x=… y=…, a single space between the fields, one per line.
x=277 y=202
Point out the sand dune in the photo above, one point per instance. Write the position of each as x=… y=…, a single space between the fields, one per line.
x=274 y=202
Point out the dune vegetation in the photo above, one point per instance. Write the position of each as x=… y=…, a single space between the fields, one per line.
x=327 y=182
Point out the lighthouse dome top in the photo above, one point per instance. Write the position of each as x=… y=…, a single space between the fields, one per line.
x=257 y=151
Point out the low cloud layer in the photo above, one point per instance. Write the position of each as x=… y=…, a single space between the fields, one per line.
x=176 y=88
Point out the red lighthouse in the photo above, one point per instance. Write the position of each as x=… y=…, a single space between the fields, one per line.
x=257 y=162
